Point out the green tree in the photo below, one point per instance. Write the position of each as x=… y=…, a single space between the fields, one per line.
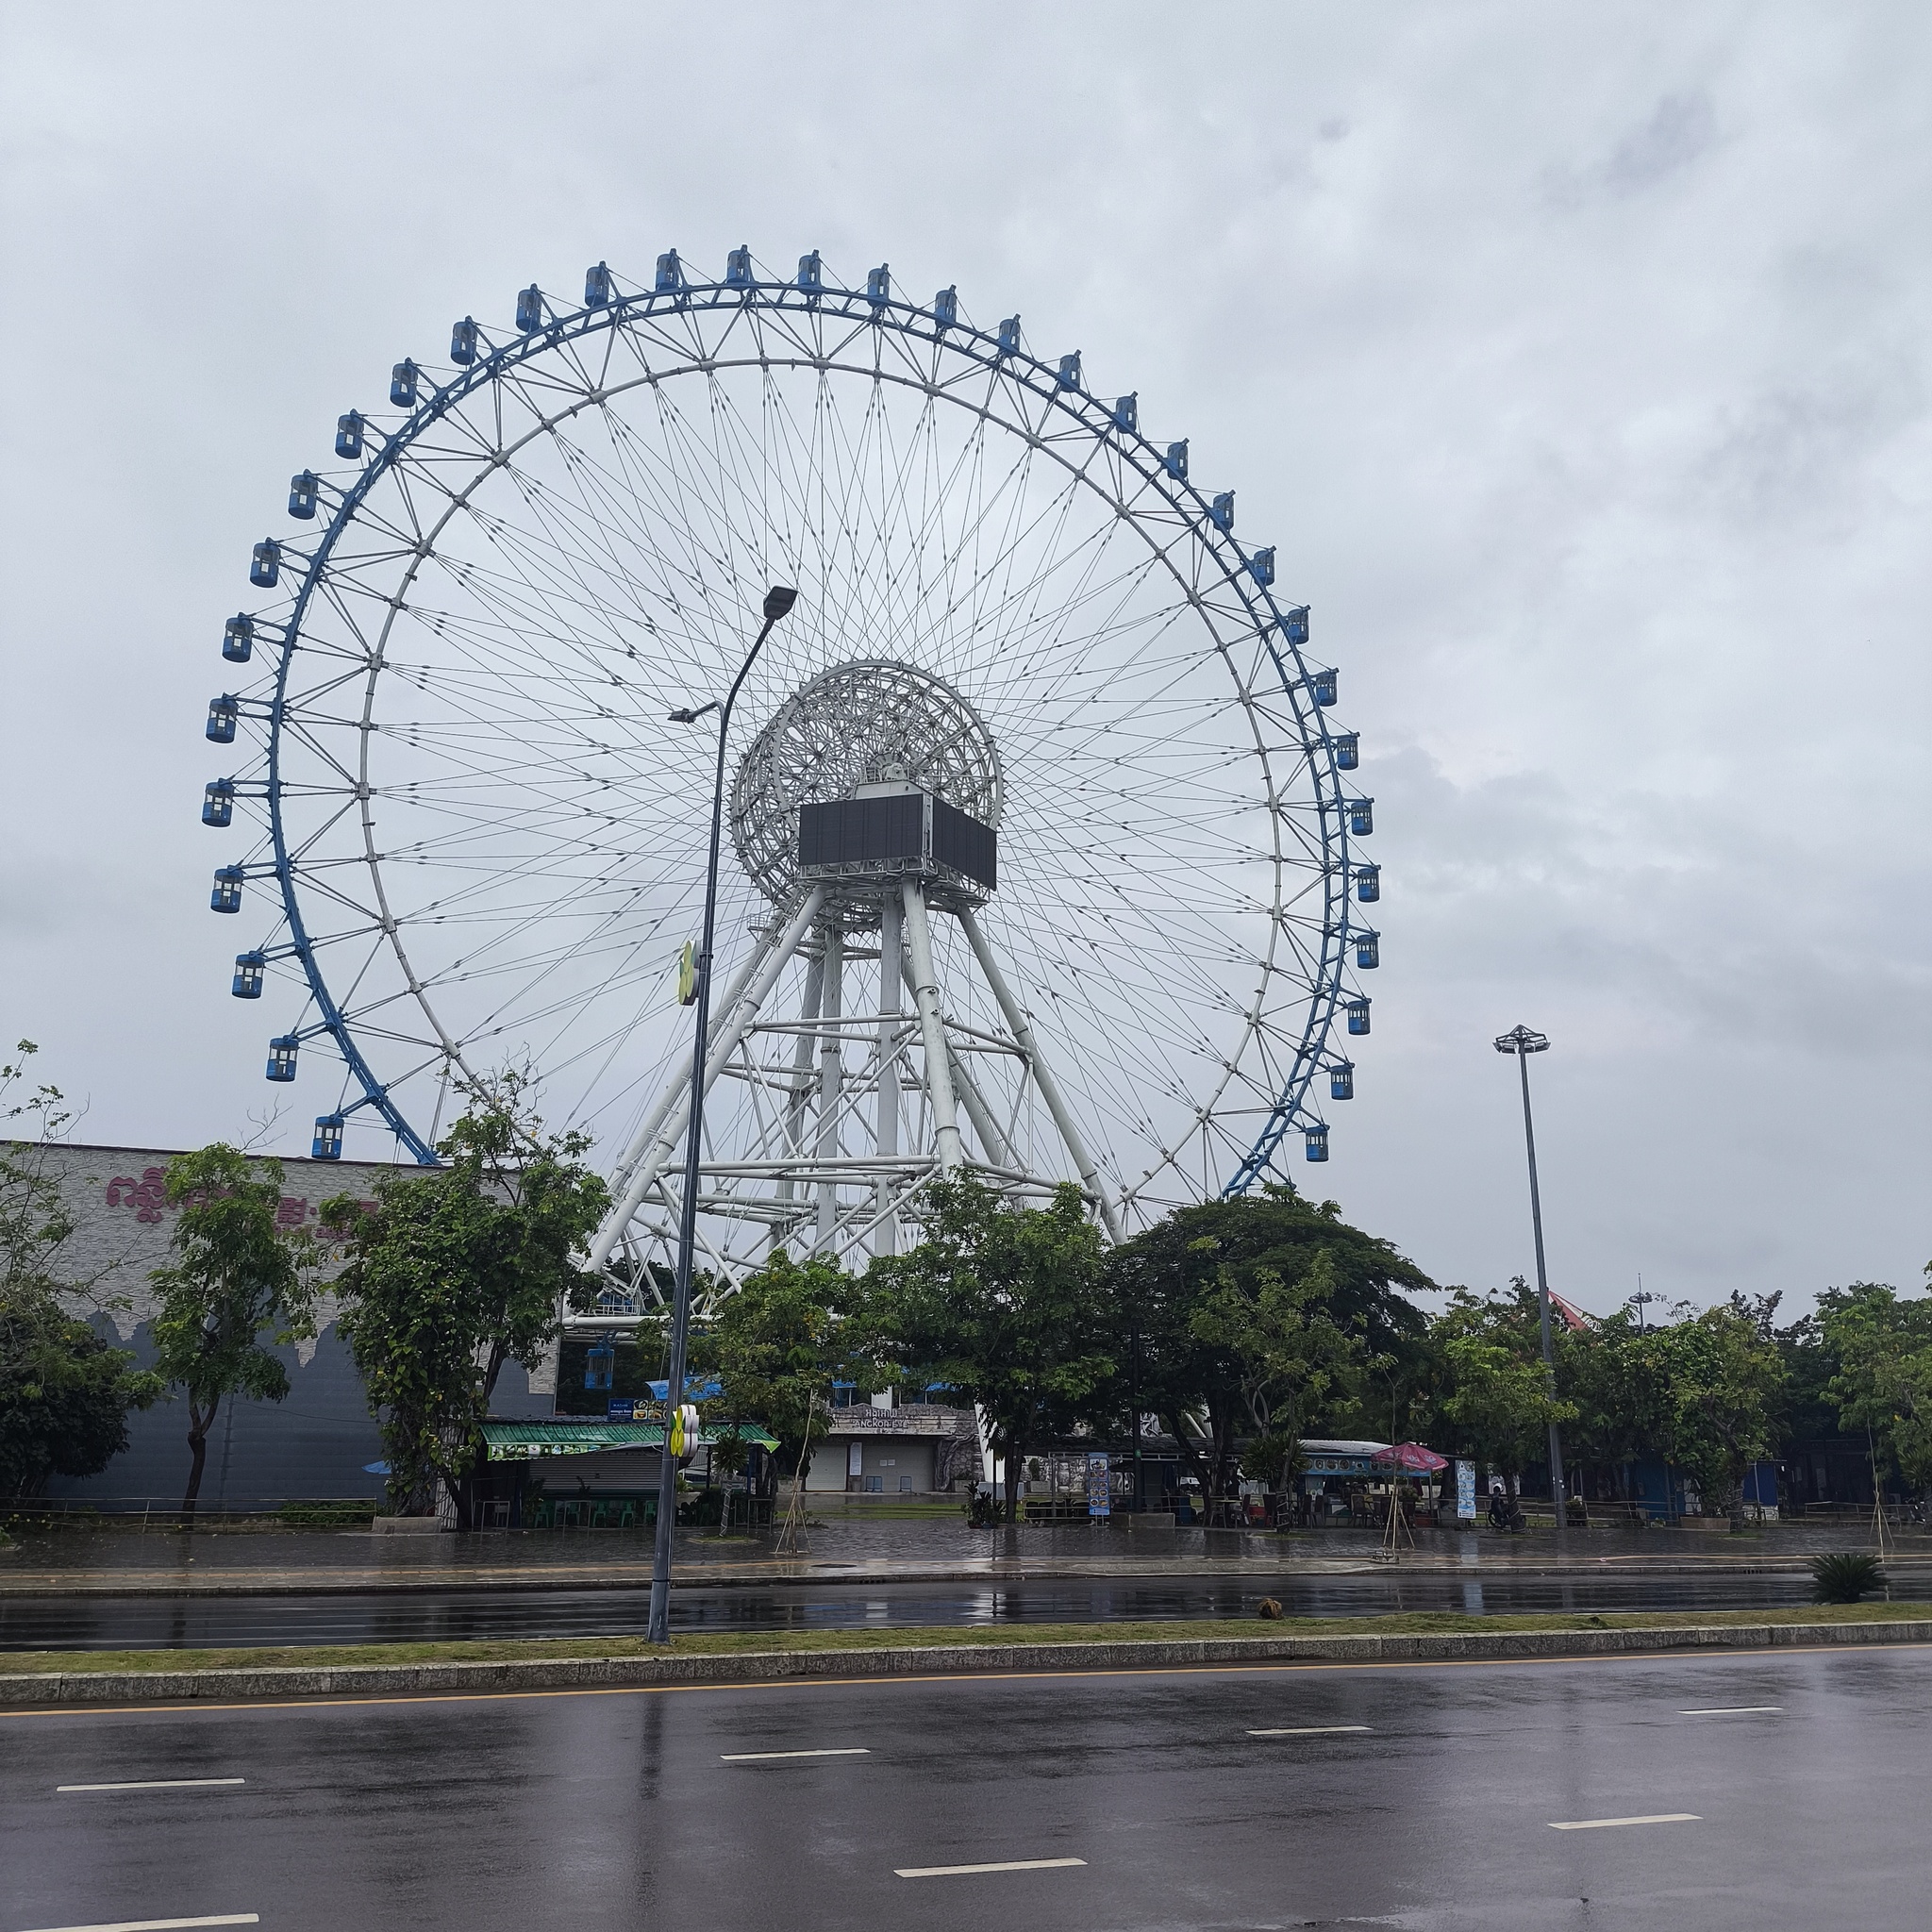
x=65 y=1392
x=1286 y=1353
x=1001 y=1305
x=239 y=1277
x=34 y=1225
x=1727 y=1382
x=456 y=1272
x=1882 y=1344
x=1618 y=1375
x=1184 y=1296
x=775 y=1348
x=1498 y=1390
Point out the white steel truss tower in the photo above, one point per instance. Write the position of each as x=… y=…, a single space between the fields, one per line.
x=872 y=1039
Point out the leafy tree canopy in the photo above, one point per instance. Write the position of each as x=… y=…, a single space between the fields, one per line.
x=777 y=1345
x=65 y=1392
x=239 y=1277
x=1226 y=1312
x=1726 y=1381
x=1498 y=1398
x=1002 y=1306
x=459 y=1271
x=1880 y=1343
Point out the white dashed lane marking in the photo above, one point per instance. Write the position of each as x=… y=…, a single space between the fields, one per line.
x=159 y=1925
x=767 y=1757
x=966 y=1871
x=160 y=1784
x=1310 y=1731
x=1605 y=1823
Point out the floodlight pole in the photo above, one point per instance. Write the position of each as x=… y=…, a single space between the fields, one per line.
x=778 y=600
x=1523 y=1042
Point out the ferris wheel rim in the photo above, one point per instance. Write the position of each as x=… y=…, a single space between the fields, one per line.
x=1264 y=616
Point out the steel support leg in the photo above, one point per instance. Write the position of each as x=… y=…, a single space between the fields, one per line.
x=997 y=1147
x=932 y=1028
x=1084 y=1163
x=799 y=1100
x=653 y=1121
x=831 y=1080
x=886 y=1234
x=725 y=1042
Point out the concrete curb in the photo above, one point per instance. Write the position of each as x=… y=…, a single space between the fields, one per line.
x=764 y=1667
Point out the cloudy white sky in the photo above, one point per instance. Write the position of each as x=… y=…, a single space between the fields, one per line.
x=1576 y=358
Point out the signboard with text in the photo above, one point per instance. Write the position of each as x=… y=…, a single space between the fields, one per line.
x=1099 y=1487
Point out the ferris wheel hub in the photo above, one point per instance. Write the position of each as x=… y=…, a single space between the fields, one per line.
x=862 y=729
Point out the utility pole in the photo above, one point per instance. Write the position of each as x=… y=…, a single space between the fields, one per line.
x=1523 y=1042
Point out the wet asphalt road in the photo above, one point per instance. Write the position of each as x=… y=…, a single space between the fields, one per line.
x=1432 y=1809
x=159 y=1623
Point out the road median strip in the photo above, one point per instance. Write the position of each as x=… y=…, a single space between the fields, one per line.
x=29 y=1679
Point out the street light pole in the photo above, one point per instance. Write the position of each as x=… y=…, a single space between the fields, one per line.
x=1523 y=1042
x=778 y=600
x=1640 y=1301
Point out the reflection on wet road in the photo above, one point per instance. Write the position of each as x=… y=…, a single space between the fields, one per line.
x=152 y=1622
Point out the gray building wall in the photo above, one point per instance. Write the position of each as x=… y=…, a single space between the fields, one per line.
x=924 y=1443
x=317 y=1441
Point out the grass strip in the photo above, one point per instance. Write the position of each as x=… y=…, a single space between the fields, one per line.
x=925 y=1636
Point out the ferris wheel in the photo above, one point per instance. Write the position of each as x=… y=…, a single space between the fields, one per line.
x=1044 y=855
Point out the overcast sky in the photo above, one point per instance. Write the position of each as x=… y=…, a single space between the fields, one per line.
x=1576 y=358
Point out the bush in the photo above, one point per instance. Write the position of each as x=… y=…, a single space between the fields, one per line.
x=1846 y=1578
x=1268 y=1609
x=327 y=1513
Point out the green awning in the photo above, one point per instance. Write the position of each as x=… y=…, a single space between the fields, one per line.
x=519 y=1441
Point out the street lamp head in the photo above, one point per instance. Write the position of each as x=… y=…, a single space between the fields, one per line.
x=1523 y=1040
x=691 y=717
x=778 y=600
